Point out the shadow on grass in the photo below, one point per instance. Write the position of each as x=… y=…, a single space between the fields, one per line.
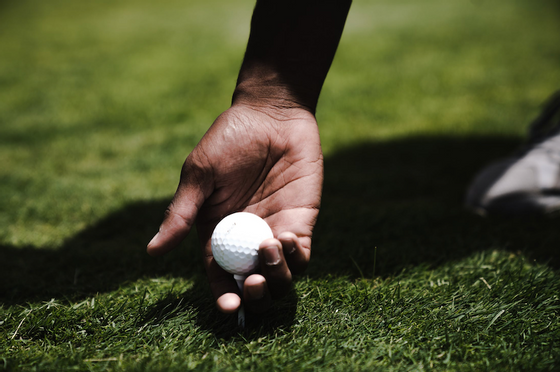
x=390 y=205
x=98 y=259
x=403 y=197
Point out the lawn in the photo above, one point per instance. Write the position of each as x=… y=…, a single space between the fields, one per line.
x=100 y=103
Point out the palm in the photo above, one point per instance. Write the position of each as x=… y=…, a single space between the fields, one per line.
x=268 y=166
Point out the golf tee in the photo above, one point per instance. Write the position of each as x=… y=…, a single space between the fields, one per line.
x=241 y=312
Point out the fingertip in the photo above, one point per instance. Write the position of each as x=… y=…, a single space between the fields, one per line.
x=172 y=231
x=297 y=251
x=289 y=241
x=256 y=294
x=255 y=287
x=159 y=246
x=228 y=303
x=270 y=251
x=287 y=235
x=254 y=279
x=269 y=242
x=153 y=248
x=153 y=252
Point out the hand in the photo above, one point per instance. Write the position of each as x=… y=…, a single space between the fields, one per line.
x=263 y=160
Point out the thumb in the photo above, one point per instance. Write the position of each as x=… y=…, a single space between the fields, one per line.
x=179 y=218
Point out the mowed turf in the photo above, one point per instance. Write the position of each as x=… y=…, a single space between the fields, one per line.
x=100 y=102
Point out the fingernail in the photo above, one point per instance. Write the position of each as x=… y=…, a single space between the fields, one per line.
x=292 y=249
x=256 y=292
x=271 y=255
x=154 y=239
x=287 y=240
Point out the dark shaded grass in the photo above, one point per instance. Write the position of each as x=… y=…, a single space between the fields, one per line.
x=405 y=198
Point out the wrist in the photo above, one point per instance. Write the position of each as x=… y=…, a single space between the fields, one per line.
x=270 y=86
x=274 y=96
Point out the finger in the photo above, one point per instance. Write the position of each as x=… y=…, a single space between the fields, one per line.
x=228 y=303
x=182 y=211
x=256 y=294
x=223 y=287
x=177 y=223
x=274 y=267
x=296 y=251
x=222 y=284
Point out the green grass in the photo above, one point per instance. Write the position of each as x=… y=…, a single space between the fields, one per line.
x=100 y=103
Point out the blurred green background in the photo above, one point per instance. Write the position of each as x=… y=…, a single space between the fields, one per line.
x=100 y=103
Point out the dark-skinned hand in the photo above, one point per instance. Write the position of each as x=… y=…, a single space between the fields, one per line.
x=263 y=160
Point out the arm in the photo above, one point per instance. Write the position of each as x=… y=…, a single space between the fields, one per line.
x=263 y=155
x=290 y=50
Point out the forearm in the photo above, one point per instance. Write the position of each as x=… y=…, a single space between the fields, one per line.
x=290 y=50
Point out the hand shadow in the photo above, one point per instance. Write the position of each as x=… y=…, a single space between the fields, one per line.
x=111 y=253
x=98 y=259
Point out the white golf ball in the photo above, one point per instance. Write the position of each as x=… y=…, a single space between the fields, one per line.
x=235 y=242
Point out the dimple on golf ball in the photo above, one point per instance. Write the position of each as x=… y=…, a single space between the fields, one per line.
x=235 y=242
